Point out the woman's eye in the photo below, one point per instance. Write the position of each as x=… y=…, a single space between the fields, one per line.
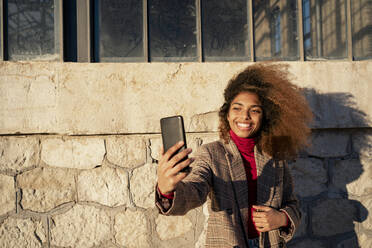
x=257 y=111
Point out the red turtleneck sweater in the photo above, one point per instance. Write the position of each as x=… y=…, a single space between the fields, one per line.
x=246 y=149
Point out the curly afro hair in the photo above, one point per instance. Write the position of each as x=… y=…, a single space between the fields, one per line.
x=284 y=129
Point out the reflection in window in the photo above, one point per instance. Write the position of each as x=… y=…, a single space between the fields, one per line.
x=172 y=27
x=120 y=30
x=33 y=29
x=327 y=29
x=362 y=28
x=225 y=30
x=306 y=25
x=275 y=29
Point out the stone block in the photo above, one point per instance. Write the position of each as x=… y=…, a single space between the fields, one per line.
x=142 y=185
x=365 y=212
x=307 y=243
x=194 y=140
x=309 y=177
x=22 y=233
x=364 y=240
x=126 y=235
x=337 y=102
x=72 y=98
x=362 y=143
x=104 y=185
x=302 y=228
x=169 y=227
x=155 y=147
x=126 y=151
x=77 y=153
x=46 y=188
x=353 y=176
x=28 y=97
x=8 y=194
x=18 y=153
x=329 y=144
x=81 y=226
x=333 y=216
x=205 y=122
x=334 y=110
x=350 y=242
x=209 y=137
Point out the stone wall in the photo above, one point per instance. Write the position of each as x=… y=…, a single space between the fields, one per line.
x=78 y=141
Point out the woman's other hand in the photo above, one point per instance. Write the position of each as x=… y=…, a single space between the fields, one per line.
x=267 y=218
x=169 y=168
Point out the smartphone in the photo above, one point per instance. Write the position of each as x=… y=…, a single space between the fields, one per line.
x=173 y=131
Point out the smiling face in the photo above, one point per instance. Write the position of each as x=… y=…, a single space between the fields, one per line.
x=245 y=114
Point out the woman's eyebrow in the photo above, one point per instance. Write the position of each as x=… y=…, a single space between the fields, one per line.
x=237 y=103
x=240 y=104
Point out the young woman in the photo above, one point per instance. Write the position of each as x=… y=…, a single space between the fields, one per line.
x=244 y=176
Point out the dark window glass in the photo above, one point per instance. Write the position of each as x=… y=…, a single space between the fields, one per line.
x=120 y=32
x=275 y=30
x=69 y=31
x=172 y=27
x=362 y=29
x=327 y=35
x=225 y=30
x=33 y=29
x=306 y=25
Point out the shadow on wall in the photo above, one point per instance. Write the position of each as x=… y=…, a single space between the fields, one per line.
x=332 y=176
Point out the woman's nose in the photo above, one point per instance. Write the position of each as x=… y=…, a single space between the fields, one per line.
x=247 y=115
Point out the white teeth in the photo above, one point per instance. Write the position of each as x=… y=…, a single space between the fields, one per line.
x=244 y=125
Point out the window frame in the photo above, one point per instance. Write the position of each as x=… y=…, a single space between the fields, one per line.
x=85 y=45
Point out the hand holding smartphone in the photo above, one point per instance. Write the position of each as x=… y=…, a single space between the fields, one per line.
x=172 y=132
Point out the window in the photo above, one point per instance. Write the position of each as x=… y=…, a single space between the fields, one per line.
x=327 y=33
x=362 y=29
x=119 y=35
x=225 y=30
x=172 y=30
x=185 y=30
x=275 y=30
x=33 y=29
x=306 y=25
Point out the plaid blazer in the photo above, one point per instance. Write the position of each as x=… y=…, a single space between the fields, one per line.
x=218 y=177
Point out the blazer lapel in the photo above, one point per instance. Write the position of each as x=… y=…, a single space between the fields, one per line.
x=265 y=176
x=239 y=179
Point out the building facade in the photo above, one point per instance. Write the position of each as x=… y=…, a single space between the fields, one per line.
x=83 y=87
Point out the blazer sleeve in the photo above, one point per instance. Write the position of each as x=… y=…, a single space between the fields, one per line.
x=192 y=191
x=289 y=205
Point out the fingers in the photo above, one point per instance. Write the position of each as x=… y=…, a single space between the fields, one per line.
x=178 y=167
x=261 y=224
x=267 y=218
x=263 y=228
x=169 y=174
x=260 y=208
x=180 y=176
x=164 y=159
x=180 y=156
x=172 y=150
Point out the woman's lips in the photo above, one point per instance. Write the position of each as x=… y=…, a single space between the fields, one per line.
x=244 y=126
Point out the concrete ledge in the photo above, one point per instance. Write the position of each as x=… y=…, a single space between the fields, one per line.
x=108 y=98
